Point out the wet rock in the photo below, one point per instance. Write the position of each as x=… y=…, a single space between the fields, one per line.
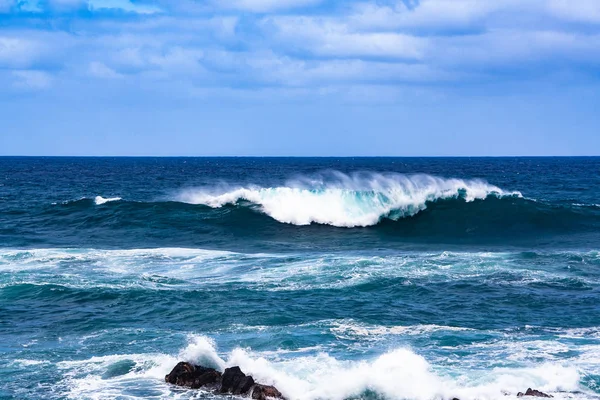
x=234 y=381
x=534 y=393
x=192 y=376
x=262 y=392
x=209 y=378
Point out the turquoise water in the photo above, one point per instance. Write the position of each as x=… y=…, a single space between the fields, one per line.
x=330 y=278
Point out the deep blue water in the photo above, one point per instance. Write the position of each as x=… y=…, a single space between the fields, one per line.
x=396 y=278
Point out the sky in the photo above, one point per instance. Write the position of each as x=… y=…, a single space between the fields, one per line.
x=300 y=77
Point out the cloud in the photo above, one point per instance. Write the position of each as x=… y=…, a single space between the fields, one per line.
x=32 y=80
x=35 y=48
x=514 y=50
x=179 y=59
x=286 y=71
x=375 y=43
x=580 y=10
x=437 y=14
x=444 y=16
x=66 y=4
x=18 y=52
x=122 y=5
x=265 y=5
x=6 y=5
x=328 y=38
x=99 y=70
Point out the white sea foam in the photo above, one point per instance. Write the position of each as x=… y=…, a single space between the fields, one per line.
x=350 y=329
x=99 y=200
x=182 y=269
x=28 y=363
x=346 y=200
x=397 y=374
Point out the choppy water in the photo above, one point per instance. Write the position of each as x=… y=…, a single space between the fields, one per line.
x=330 y=278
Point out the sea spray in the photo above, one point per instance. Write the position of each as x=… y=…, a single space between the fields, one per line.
x=99 y=200
x=347 y=200
x=397 y=374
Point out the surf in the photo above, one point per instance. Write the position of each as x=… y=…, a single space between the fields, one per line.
x=399 y=373
x=342 y=200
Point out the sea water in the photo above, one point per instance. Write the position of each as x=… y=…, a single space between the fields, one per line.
x=379 y=278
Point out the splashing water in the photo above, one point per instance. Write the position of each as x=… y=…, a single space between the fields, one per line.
x=347 y=200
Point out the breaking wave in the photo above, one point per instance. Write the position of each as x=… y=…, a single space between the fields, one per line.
x=398 y=374
x=99 y=200
x=346 y=200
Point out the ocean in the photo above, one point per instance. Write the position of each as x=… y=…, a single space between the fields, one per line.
x=330 y=278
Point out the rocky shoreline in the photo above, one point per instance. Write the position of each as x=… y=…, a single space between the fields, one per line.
x=234 y=381
x=231 y=381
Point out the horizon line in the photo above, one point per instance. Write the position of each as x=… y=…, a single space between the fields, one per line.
x=295 y=156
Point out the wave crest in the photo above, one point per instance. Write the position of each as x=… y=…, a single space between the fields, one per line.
x=99 y=200
x=341 y=200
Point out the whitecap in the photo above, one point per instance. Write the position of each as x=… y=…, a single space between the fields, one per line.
x=346 y=200
x=99 y=200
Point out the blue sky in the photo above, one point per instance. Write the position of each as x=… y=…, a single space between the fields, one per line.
x=300 y=77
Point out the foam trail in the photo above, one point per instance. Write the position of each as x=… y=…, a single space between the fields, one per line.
x=347 y=200
x=99 y=200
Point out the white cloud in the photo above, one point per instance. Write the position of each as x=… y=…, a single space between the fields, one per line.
x=393 y=45
x=124 y=5
x=35 y=49
x=578 y=10
x=178 y=59
x=18 y=52
x=393 y=31
x=327 y=38
x=286 y=71
x=370 y=43
x=100 y=70
x=129 y=57
x=439 y=14
x=264 y=5
x=6 y=5
x=457 y=14
x=67 y=4
x=224 y=27
x=514 y=50
x=32 y=80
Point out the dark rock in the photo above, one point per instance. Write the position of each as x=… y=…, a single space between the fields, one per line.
x=181 y=373
x=192 y=376
x=208 y=378
x=534 y=393
x=234 y=381
x=262 y=392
